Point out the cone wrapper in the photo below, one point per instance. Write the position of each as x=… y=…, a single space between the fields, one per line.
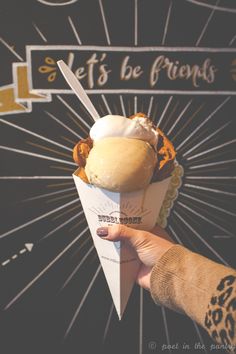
x=139 y=210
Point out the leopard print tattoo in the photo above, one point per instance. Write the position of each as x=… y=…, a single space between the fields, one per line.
x=220 y=319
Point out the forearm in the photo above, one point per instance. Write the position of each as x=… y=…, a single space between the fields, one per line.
x=198 y=287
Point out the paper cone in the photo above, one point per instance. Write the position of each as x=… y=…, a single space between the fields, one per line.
x=139 y=210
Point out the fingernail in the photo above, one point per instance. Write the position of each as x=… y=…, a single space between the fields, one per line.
x=102 y=231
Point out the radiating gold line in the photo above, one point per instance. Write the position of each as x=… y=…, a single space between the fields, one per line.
x=102 y=109
x=86 y=113
x=199 y=126
x=67 y=211
x=63 y=124
x=77 y=224
x=170 y=115
x=129 y=108
x=77 y=122
x=93 y=258
x=154 y=115
x=40 y=196
x=74 y=112
x=115 y=109
x=197 y=137
x=53 y=185
x=69 y=140
x=142 y=107
x=68 y=221
x=63 y=197
x=72 y=274
x=62 y=168
x=207 y=139
x=75 y=253
x=48 y=149
x=188 y=121
x=179 y=117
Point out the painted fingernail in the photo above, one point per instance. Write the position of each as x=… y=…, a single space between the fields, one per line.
x=102 y=231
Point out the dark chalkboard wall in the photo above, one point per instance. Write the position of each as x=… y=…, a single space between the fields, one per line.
x=48 y=265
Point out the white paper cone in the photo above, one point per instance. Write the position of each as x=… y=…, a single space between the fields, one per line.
x=139 y=210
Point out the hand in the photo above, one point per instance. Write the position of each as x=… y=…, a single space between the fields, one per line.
x=149 y=246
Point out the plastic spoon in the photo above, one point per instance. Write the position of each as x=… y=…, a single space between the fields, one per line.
x=76 y=86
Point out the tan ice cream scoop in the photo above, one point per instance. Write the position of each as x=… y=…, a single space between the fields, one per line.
x=121 y=164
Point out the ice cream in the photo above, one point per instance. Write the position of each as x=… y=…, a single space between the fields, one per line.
x=121 y=164
x=118 y=126
x=124 y=154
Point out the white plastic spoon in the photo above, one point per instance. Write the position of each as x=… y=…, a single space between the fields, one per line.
x=76 y=86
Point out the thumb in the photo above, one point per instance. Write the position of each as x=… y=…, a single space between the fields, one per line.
x=121 y=233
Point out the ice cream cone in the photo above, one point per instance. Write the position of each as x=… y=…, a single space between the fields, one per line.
x=139 y=210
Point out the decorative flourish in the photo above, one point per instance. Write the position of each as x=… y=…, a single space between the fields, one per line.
x=171 y=195
x=49 y=68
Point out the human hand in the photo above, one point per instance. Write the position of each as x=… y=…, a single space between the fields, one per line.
x=149 y=246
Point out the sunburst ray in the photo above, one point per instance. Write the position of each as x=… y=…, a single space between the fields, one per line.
x=205 y=140
x=204 y=218
x=77 y=267
x=61 y=226
x=73 y=112
x=38 y=218
x=40 y=156
x=203 y=123
x=62 y=124
x=82 y=301
x=200 y=238
x=35 y=134
x=223 y=210
x=38 y=276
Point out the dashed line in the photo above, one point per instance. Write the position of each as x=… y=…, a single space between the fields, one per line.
x=6 y=262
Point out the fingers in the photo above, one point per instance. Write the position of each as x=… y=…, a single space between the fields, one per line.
x=121 y=232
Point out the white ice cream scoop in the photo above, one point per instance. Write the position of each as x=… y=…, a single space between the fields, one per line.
x=118 y=126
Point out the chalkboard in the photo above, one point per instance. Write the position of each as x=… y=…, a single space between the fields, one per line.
x=173 y=60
